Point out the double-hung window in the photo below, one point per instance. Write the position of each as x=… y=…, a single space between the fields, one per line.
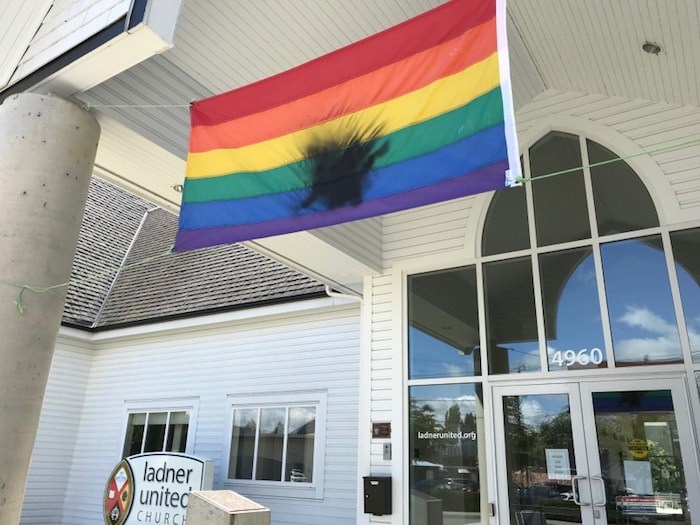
x=277 y=440
x=159 y=430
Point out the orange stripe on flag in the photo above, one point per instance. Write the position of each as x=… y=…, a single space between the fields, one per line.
x=379 y=86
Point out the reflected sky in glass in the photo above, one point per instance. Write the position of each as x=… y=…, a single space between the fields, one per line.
x=538 y=408
x=686 y=251
x=299 y=417
x=572 y=311
x=441 y=397
x=690 y=295
x=430 y=357
x=443 y=320
x=642 y=319
x=522 y=357
x=445 y=442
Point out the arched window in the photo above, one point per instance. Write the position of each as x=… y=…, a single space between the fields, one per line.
x=574 y=271
x=598 y=257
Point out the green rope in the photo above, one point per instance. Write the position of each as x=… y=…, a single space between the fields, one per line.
x=19 y=301
x=89 y=105
x=670 y=147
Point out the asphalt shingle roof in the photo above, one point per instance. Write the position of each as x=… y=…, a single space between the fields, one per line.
x=156 y=285
x=110 y=222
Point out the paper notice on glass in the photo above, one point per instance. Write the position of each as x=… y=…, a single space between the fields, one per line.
x=638 y=477
x=558 y=466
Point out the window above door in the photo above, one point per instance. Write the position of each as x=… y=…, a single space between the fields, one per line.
x=575 y=272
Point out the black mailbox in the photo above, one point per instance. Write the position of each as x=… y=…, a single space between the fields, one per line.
x=377 y=495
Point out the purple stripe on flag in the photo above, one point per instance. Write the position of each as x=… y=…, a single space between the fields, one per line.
x=478 y=181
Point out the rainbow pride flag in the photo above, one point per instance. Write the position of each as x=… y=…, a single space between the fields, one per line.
x=417 y=114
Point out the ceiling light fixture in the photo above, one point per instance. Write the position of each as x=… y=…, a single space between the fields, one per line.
x=177 y=187
x=652 y=48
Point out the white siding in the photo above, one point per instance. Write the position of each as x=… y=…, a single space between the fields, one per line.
x=67 y=24
x=382 y=363
x=362 y=240
x=19 y=22
x=316 y=351
x=427 y=230
x=55 y=441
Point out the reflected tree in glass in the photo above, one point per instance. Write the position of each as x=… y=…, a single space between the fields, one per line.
x=640 y=457
x=538 y=428
x=447 y=468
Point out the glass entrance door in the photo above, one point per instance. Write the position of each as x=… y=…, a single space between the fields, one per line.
x=595 y=453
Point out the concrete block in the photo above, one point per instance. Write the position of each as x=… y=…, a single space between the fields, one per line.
x=224 y=507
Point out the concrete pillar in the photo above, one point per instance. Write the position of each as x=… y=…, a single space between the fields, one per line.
x=47 y=151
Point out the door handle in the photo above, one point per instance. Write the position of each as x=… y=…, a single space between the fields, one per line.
x=602 y=484
x=574 y=490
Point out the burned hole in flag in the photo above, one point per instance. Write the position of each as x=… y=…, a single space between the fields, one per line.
x=338 y=167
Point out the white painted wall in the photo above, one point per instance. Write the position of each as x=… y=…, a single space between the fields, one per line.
x=18 y=24
x=446 y=234
x=203 y=364
x=54 y=447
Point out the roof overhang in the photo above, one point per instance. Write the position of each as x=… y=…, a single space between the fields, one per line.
x=145 y=29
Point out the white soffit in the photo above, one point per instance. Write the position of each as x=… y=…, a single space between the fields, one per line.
x=19 y=23
x=141 y=167
x=66 y=25
x=231 y=43
x=595 y=46
x=153 y=36
x=315 y=257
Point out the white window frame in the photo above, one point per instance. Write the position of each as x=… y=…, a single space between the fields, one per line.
x=313 y=490
x=189 y=405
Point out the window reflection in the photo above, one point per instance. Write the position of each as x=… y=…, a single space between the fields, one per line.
x=540 y=459
x=614 y=215
x=511 y=322
x=505 y=226
x=448 y=454
x=640 y=457
x=155 y=432
x=300 y=444
x=443 y=337
x=686 y=247
x=571 y=310
x=245 y=424
x=642 y=319
x=561 y=212
x=270 y=444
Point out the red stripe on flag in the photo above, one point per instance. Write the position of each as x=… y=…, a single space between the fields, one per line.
x=358 y=93
x=396 y=43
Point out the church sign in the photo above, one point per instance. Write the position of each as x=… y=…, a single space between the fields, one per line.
x=154 y=488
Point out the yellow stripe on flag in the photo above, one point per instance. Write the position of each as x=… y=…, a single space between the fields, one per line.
x=440 y=97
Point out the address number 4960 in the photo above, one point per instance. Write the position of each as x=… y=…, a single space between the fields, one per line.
x=583 y=357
